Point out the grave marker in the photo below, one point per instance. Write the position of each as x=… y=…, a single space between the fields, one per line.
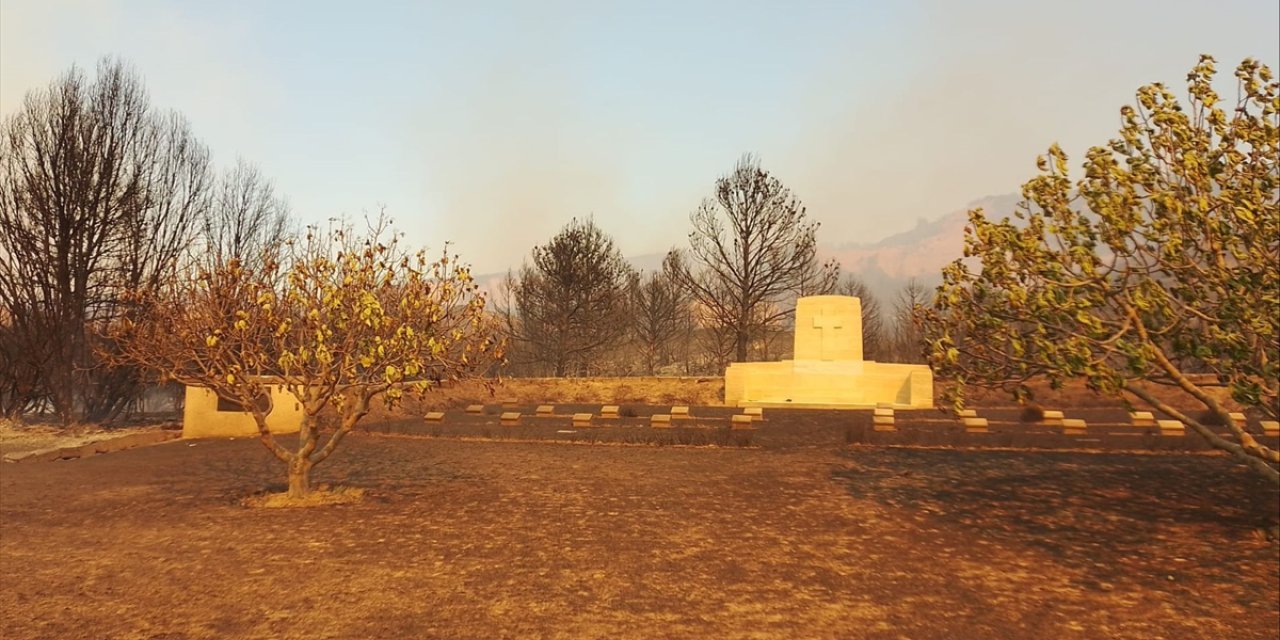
x=1171 y=427
x=756 y=413
x=581 y=419
x=741 y=423
x=660 y=421
x=1074 y=427
x=434 y=416
x=510 y=418
x=975 y=425
x=1053 y=418
x=545 y=410
x=1271 y=427
x=475 y=409
x=680 y=412
x=968 y=413
x=609 y=411
x=1142 y=419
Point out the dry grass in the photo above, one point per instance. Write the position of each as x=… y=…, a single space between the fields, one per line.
x=321 y=497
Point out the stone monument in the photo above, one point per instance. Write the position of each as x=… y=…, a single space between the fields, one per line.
x=828 y=370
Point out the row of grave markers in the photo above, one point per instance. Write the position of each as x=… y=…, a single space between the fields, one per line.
x=1077 y=427
x=740 y=422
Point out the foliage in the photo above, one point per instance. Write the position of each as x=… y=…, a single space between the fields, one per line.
x=1162 y=260
x=339 y=321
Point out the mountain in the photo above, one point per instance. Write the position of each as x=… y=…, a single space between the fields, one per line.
x=885 y=265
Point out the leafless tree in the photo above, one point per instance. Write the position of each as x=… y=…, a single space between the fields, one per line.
x=569 y=306
x=908 y=331
x=660 y=318
x=100 y=193
x=874 y=345
x=247 y=221
x=752 y=247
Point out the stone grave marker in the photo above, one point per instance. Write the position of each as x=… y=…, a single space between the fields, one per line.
x=968 y=413
x=609 y=411
x=756 y=413
x=545 y=410
x=741 y=423
x=975 y=425
x=510 y=418
x=581 y=419
x=680 y=412
x=1074 y=427
x=660 y=421
x=1053 y=418
x=475 y=409
x=1142 y=419
x=1271 y=427
x=434 y=416
x=1171 y=427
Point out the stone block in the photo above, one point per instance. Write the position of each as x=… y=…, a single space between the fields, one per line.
x=545 y=410
x=756 y=413
x=475 y=409
x=1142 y=419
x=883 y=423
x=680 y=412
x=881 y=411
x=968 y=413
x=1239 y=418
x=609 y=411
x=1074 y=427
x=1171 y=427
x=434 y=416
x=660 y=421
x=581 y=419
x=509 y=418
x=1270 y=427
x=1053 y=418
x=975 y=425
x=741 y=423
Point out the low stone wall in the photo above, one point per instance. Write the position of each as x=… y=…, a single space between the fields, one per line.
x=108 y=445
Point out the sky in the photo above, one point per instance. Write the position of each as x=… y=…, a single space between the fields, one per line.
x=491 y=125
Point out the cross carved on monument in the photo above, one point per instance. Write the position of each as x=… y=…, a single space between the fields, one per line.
x=823 y=323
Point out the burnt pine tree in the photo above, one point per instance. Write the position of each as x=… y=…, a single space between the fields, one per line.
x=752 y=248
x=569 y=302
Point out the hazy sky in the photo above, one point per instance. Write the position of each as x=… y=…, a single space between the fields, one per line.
x=493 y=124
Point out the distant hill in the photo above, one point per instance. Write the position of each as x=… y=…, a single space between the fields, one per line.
x=885 y=265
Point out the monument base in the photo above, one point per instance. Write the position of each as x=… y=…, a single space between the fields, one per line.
x=828 y=385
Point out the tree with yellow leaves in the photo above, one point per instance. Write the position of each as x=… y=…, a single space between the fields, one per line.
x=339 y=320
x=1161 y=262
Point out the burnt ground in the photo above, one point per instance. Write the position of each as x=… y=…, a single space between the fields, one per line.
x=506 y=539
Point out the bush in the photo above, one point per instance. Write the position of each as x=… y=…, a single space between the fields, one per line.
x=1032 y=413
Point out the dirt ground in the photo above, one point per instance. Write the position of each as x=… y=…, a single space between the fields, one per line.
x=459 y=539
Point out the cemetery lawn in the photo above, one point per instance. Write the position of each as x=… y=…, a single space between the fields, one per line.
x=462 y=539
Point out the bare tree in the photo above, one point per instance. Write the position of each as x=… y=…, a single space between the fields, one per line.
x=248 y=220
x=874 y=343
x=660 y=318
x=908 y=332
x=99 y=194
x=752 y=247
x=570 y=304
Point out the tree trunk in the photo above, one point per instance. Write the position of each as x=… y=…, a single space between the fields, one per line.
x=741 y=340
x=299 y=477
